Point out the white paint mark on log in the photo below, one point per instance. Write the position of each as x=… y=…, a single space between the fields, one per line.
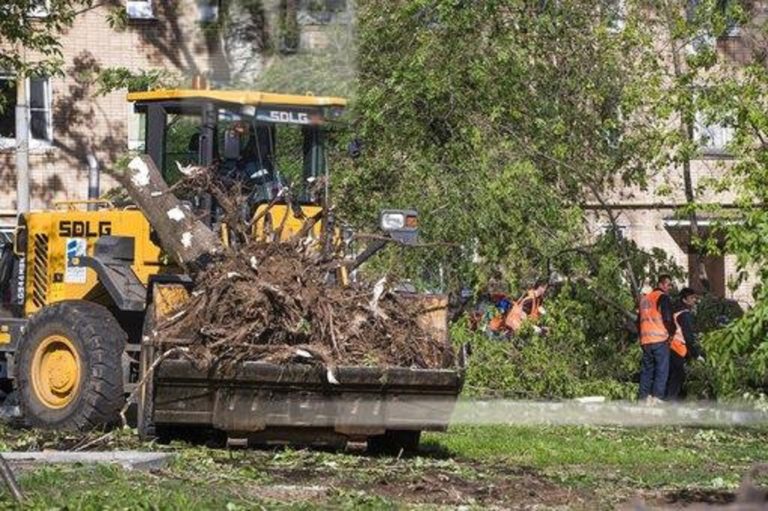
x=140 y=170
x=331 y=377
x=186 y=239
x=176 y=214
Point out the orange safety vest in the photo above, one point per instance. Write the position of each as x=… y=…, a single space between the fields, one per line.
x=678 y=341
x=652 y=329
x=516 y=314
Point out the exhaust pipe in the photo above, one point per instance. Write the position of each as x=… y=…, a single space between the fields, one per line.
x=94 y=174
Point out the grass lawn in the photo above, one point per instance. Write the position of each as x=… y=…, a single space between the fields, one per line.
x=476 y=467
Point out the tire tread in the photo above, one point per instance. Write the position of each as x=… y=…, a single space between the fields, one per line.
x=102 y=342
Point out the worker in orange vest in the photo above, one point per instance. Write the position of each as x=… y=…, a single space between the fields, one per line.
x=656 y=325
x=528 y=307
x=683 y=345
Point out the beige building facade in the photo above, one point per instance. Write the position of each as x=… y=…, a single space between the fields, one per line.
x=74 y=127
x=655 y=217
x=71 y=122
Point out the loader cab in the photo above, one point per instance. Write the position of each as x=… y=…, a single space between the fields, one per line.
x=262 y=141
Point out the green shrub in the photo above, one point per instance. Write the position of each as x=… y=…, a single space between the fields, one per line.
x=574 y=359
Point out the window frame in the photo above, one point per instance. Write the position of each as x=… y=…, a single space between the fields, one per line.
x=701 y=129
x=136 y=123
x=138 y=10
x=210 y=7
x=40 y=11
x=34 y=143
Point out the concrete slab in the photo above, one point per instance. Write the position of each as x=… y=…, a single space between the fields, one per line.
x=129 y=460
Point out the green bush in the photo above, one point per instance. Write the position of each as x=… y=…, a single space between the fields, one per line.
x=573 y=360
x=737 y=355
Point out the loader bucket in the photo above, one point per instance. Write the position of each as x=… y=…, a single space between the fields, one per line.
x=258 y=402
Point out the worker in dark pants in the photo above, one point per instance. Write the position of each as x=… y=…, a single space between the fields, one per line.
x=656 y=325
x=683 y=346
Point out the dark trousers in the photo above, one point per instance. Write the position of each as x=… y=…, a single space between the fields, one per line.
x=654 y=370
x=676 y=377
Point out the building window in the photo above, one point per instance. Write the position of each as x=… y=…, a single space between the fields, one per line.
x=732 y=26
x=208 y=11
x=40 y=116
x=7 y=107
x=713 y=138
x=39 y=8
x=621 y=231
x=139 y=10
x=137 y=129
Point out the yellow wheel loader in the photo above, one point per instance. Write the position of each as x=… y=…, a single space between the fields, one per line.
x=84 y=284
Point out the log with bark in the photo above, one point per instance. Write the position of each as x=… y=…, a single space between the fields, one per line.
x=188 y=240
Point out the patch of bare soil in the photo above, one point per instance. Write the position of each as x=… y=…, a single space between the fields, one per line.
x=524 y=489
x=435 y=482
x=750 y=496
x=698 y=496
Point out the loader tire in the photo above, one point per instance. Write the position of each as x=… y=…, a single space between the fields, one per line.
x=69 y=367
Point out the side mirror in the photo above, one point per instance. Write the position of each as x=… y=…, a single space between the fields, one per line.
x=355 y=148
x=402 y=226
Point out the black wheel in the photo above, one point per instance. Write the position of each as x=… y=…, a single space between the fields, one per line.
x=69 y=367
x=394 y=441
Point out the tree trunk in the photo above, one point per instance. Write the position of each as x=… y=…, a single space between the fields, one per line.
x=690 y=199
x=181 y=235
x=686 y=132
x=290 y=26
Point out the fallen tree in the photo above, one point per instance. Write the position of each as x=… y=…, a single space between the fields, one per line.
x=274 y=301
x=181 y=235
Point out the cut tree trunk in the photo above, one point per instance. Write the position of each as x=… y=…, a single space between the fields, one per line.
x=185 y=238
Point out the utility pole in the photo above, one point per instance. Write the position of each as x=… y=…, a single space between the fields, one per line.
x=22 y=146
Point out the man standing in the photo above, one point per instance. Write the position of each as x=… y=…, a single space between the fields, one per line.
x=683 y=345
x=656 y=325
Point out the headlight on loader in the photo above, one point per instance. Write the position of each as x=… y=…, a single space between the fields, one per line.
x=401 y=224
x=399 y=220
x=392 y=221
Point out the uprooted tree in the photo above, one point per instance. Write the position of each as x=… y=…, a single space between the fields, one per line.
x=273 y=301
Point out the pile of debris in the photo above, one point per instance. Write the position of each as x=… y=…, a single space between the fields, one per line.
x=275 y=301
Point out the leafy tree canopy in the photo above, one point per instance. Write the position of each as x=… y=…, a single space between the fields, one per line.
x=29 y=34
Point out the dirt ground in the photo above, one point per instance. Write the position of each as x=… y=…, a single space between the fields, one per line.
x=527 y=468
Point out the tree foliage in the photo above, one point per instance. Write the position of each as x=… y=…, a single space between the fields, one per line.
x=740 y=352
x=29 y=34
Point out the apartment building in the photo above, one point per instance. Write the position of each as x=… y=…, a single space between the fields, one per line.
x=73 y=127
x=654 y=217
